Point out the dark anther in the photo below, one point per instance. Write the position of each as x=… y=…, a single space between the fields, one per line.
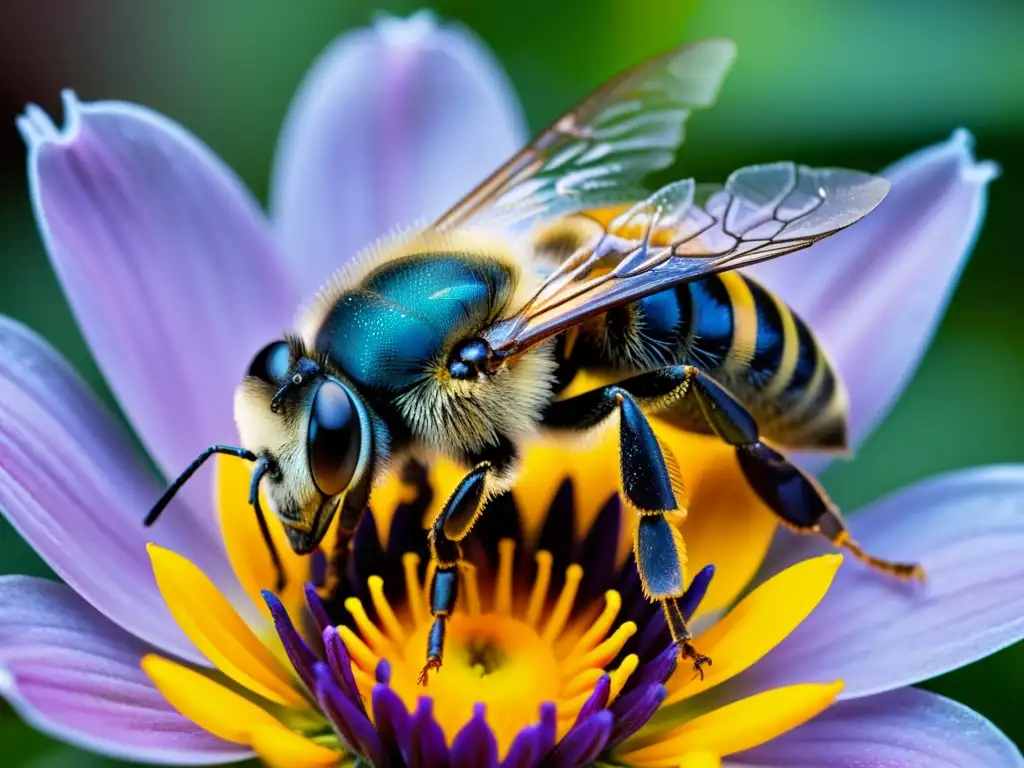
x=469 y=359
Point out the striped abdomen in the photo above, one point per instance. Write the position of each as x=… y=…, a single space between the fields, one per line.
x=744 y=337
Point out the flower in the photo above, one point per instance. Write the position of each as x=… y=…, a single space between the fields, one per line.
x=175 y=277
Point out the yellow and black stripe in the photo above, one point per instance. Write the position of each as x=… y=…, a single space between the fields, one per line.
x=743 y=336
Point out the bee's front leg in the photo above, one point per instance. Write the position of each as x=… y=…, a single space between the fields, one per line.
x=450 y=527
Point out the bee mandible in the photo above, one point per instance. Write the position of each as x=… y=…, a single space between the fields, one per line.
x=460 y=339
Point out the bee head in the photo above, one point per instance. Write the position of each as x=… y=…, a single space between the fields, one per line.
x=311 y=435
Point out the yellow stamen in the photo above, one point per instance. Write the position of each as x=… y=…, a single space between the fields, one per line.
x=589 y=639
x=604 y=652
x=762 y=620
x=540 y=587
x=392 y=626
x=563 y=606
x=209 y=620
x=621 y=674
x=503 y=584
x=413 y=590
x=376 y=639
x=358 y=650
x=472 y=584
x=232 y=717
x=584 y=681
x=763 y=717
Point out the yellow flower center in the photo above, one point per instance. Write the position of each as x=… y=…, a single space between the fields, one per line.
x=512 y=655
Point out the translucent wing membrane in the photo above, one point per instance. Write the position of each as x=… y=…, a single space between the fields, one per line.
x=685 y=231
x=597 y=153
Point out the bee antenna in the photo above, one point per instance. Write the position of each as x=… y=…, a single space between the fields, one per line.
x=190 y=470
x=265 y=465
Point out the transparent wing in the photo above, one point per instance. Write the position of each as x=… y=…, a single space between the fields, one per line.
x=598 y=152
x=685 y=231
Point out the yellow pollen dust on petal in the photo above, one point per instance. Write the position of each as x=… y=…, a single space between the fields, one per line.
x=244 y=542
x=508 y=652
x=232 y=717
x=760 y=621
x=209 y=620
x=733 y=728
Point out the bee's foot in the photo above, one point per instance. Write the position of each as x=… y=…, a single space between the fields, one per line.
x=699 y=660
x=433 y=663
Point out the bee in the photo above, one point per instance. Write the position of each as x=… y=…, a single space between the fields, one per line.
x=461 y=339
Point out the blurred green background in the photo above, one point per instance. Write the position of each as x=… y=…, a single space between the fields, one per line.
x=856 y=83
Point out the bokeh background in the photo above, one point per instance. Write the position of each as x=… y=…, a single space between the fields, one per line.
x=846 y=82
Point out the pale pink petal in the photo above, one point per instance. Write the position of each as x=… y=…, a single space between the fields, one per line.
x=392 y=125
x=75 y=675
x=875 y=293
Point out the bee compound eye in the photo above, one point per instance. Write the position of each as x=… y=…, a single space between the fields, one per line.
x=271 y=363
x=335 y=438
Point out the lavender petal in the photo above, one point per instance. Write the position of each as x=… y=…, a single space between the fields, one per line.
x=967 y=530
x=633 y=710
x=349 y=721
x=426 y=747
x=72 y=486
x=317 y=609
x=474 y=746
x=597 y=701
x=524 y=751
x=393 y=124
x=299 y=654
x=168 y=265
x=390 y=718
x=583 y=744
x=75 y=675
x=340 y=664
x=658 y=670
x=695 y=592
x=906 y=728
x=878 y=290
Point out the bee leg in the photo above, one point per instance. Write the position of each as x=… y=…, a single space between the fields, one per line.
x=648 y=476
x=800 y=503
x=450 y=527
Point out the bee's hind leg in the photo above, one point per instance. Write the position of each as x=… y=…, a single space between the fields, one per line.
x=798 y=501
x=449 y=528
x=648 y=477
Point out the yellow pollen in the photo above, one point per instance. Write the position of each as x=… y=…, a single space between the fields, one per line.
x=495 y=652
